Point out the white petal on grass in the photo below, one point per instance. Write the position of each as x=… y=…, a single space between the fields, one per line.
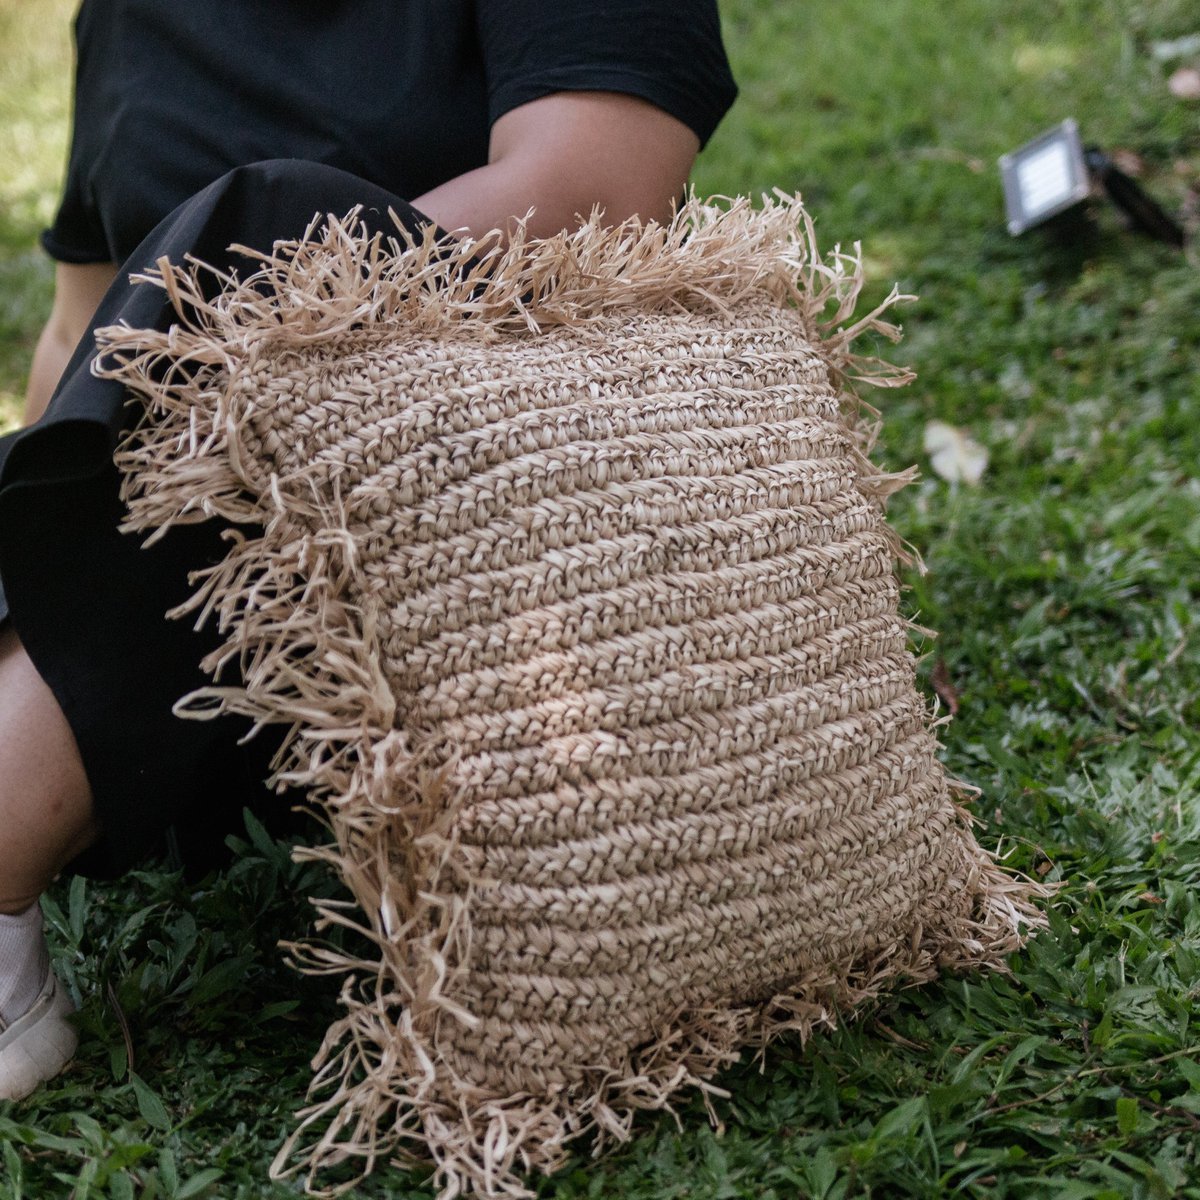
x=954 y=454
x=1185 y=83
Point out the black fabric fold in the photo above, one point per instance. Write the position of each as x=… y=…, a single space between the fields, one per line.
x=87 y=601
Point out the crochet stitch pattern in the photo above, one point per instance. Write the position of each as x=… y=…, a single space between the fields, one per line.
x=566 y=569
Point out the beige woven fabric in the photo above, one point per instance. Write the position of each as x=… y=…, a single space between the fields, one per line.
x=574 y=586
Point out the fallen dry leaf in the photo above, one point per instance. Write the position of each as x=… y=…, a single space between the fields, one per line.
x=1150 y=898
x=1185 y=83
x=954 y=454
x=940 y=678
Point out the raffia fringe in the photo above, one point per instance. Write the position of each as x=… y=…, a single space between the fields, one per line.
x=304 y=652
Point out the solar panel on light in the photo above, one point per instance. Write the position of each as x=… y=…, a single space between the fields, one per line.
x=1044 y=177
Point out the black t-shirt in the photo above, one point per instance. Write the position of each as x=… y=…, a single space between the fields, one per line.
x=172 y=94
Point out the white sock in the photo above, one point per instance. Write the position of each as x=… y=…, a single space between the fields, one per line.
x=24 y=962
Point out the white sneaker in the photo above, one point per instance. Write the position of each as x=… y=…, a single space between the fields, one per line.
x=35 y=1047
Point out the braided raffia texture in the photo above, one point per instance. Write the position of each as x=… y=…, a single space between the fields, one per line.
x=589 y=635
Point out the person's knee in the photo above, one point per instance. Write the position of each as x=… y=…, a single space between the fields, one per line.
x=47 y=817
x=14 y=905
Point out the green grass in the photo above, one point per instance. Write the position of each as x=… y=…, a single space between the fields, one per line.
x=35 y=92
x=1065 y=587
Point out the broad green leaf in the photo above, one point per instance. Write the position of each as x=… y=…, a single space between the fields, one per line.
x=77 y=907
x=1190 y=1070
x=168 y=1170
x=904 y=1118
x=120 y=1187
x=198 y=1183
x=153 y=1111
x=12 y=1165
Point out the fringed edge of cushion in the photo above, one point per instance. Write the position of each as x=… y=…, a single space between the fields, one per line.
x=483 y=1144
x=391 y=818
x=337 y=280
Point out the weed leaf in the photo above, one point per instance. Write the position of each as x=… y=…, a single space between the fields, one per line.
x=198 y=1183
x=153 y=1111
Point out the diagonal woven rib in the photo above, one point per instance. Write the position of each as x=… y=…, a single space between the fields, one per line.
x=567 y=570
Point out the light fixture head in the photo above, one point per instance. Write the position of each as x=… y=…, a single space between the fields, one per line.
x=1044 y=177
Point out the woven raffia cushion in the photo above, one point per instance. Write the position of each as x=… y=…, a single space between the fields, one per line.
x=569 y=575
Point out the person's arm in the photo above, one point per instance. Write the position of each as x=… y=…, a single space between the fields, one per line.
x=564 y=154
x=78 y=289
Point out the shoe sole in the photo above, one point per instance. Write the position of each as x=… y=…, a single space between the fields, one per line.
x=36 y=1047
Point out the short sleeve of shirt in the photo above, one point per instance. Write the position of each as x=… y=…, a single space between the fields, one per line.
x=77 y=235
x=668 y=52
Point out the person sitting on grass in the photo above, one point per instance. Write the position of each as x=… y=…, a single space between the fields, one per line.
x=212 y=127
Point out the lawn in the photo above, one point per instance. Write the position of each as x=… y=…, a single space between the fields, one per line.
x=1064 y=585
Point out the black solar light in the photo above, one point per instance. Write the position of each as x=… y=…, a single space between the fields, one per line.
x=1054 y=173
